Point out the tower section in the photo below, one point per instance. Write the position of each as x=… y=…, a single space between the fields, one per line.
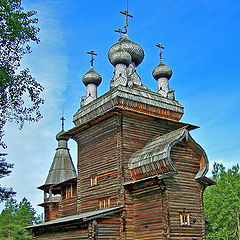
x=62 y=170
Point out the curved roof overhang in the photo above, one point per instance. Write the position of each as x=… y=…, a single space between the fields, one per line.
x=154 y=158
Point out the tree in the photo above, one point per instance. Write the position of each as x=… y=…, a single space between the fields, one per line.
x=15 y=217
x=222 y=204
x=5 y=170
x=19 y=92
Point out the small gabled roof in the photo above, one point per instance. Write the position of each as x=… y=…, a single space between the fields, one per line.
x=154 y=158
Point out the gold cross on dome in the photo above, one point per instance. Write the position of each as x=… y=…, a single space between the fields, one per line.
x=161 y=47
x=92 y=53
x=127 y=15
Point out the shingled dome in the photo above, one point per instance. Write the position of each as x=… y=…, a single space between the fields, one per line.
x=136 y=51
x=120 y=56
x=92 y=77
x=162 y=70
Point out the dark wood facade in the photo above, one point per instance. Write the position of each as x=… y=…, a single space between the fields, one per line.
x=134 y=204
x=140 y=175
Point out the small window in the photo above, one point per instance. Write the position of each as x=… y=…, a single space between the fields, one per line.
x=64 y=193
x=94 y=180
x=104 y=203
x=74 y=189
x=184 y=219
x=69 y=191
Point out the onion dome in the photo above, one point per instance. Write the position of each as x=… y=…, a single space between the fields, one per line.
x=91 y=77
x=125 y=44
x=61 y=136
x=120 y=56
x=162 y=70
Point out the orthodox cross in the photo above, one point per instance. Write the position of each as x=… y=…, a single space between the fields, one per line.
x=120 y=31
x=92 y=53
x=126 y=19
x=161 y=47
x=62 y=120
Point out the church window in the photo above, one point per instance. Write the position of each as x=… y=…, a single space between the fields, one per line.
x=104 y=203
x=184 y=219
x=69 y=191
x=94 y=180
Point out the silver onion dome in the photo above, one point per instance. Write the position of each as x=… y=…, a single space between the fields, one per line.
x=91 y=77
x=120 y=56
x=136 y=51
x=162 y=70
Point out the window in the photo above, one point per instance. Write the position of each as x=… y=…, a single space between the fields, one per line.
x=94 y=180
x=184 y=219
x=64 y=193
x=104 y=203
x=69 y=191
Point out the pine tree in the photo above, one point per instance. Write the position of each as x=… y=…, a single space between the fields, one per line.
x=222 y=204
x=5 y=170
x=15 y=217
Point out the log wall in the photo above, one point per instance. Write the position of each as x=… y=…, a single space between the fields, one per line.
x=108 y=228
x=185 y=194
x=51 y=212
x=67 y=232
x=69 y=206
x=98 y=160
x=148 y=213
x=137 y=132
x=142 y=222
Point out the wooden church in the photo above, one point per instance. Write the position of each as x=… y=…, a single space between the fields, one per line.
x=140 y=174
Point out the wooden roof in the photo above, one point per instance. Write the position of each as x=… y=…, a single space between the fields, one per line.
x=154 y=158
x=132 y=99
x=82 y=217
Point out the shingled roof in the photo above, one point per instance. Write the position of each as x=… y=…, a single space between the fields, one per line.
x=82 y=217
x=62 y=167
x=154 y=158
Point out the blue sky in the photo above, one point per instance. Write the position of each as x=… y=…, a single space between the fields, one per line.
x=201 y=40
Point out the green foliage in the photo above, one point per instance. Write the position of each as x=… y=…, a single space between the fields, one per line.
x=19 y=91
x=5 y=170
x=15 y=217
x=222 y=204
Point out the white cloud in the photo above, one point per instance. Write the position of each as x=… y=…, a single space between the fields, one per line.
x=32 y=148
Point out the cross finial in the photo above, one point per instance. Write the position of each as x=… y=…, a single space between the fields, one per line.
x=161 y=47
x=126 y=13
x=62 y=120
x=92 y=53
x=120 y=31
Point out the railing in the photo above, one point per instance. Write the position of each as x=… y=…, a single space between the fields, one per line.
x=52 y=199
